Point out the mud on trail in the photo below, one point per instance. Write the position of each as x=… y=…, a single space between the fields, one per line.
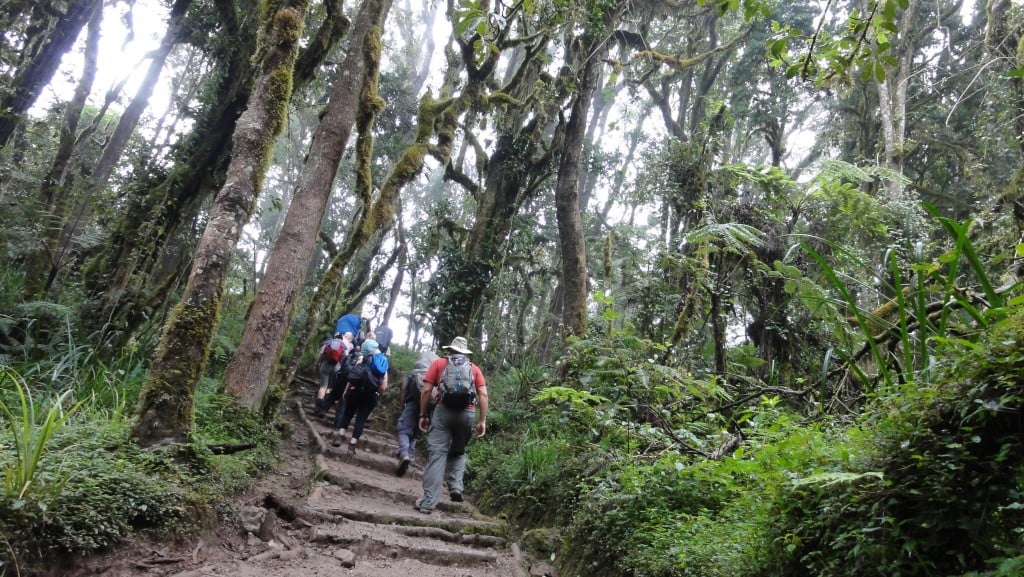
x=324 y=512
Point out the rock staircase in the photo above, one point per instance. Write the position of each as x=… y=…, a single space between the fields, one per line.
x=354 y=516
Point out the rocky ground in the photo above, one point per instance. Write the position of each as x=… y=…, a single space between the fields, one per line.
x=323 y=512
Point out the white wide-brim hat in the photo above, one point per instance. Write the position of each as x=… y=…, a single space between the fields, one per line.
x=459 y=345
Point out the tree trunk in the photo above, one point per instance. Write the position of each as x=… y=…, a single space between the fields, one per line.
x=119 y=274
x=575 y=288
x=248 y=376
x=1004 y=36
x=166 y=406
x=114 y=149
x=892 y=97
x=30 y=80
x=396 y=286
x=514 y=171
x=44 y=265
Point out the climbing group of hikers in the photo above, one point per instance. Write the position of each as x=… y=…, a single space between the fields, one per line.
x=440 y=397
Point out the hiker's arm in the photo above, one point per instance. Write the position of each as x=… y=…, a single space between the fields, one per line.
x=383 y=383
x=481 y=403
x=480 y=384
x=424 y=420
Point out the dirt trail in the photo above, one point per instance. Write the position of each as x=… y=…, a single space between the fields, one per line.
x=323 y=512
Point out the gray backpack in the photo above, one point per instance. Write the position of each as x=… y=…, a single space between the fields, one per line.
x=457 y=389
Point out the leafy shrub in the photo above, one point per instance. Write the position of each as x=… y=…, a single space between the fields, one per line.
x=106 y=501
x=614 y=390
x=668 y=517
x=93 y=490
x=947 y=502
x=221 y=421
x=530 y=478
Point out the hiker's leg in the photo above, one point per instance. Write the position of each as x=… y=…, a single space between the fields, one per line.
x=325 y=374
x=407 y=427
x=438 y=438
x=461 y=425
x=363 y=410
x=346 y=412
x=333 y=396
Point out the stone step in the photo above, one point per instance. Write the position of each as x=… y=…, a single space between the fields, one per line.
x=372 y=540
x=354 y=478
x=368 y=523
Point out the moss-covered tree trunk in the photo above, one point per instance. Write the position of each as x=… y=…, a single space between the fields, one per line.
x=36 y=73
x=514 y=171
x=377 y=219
x=118 y=276
x=249 y=373
x=166 y=407
x=567 y=208
x=80 y=218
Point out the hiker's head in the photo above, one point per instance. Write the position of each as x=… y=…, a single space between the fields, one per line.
x=459 y=345
x=337 y=335
x=347 y=336
x=370 y=347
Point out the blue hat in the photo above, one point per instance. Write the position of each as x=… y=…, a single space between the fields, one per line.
x=370 y=346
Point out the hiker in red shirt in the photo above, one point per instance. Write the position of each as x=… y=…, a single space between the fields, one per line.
x=462 y=391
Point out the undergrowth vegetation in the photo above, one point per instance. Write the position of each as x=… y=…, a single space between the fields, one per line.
x=74 y=483
x=642 y=469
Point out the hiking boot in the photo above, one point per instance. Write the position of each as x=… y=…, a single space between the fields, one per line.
x=403 y=465
x=338 y=440
x=456 y=496
x=421 y=509
x=351 y=448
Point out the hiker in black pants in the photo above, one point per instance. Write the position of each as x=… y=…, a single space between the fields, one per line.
x=366 y=381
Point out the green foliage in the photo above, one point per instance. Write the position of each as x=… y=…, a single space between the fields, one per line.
x=622 y=396
x=863 y=49
x=677 y=516
x=74 y=482
x=115 y=490
x=529 y=476
x=30 y=430
x=221 y=421
x=940 y=492
x=934 y=310
x=90 y=489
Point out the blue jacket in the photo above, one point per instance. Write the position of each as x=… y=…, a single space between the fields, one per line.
x=349 y=323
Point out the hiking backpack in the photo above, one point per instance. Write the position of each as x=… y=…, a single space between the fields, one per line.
x=333 y=351
x=413 y=384
x=457 y=389
x=412 y=387
x=346 y=365
x=365 y=373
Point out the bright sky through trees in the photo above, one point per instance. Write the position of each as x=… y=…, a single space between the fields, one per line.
x=127 y=38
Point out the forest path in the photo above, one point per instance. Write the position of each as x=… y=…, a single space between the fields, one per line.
x=323 y=512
